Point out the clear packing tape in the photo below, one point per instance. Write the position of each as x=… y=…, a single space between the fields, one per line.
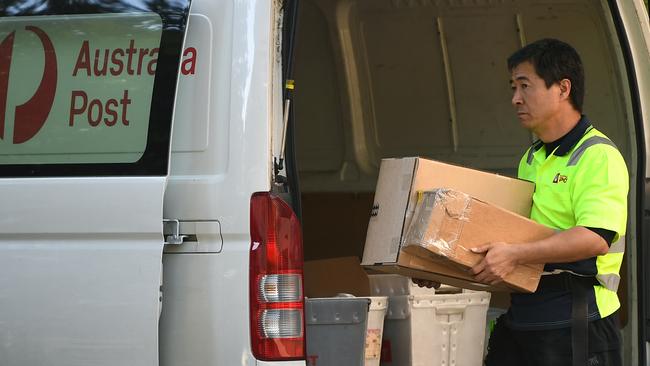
x=438 y=220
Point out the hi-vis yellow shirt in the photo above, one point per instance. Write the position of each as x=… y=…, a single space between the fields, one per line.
x=586 y=186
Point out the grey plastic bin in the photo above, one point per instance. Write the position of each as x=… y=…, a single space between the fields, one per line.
x=336 y=330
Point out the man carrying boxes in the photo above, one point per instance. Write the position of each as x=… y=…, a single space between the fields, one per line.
x=441 y=223
x=581 y=191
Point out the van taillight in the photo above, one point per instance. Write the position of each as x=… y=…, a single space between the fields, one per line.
x=276 y=293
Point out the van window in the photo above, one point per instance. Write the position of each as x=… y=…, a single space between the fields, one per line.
x=88 y=90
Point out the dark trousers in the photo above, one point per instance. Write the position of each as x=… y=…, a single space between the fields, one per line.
x=508 y=347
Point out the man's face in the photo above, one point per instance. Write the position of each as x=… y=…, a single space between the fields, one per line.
x=536 y=105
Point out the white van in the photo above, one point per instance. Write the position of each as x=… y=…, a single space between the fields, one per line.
x=159 y=173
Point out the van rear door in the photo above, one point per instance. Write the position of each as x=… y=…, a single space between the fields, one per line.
x=86 y=103
x=631 y=20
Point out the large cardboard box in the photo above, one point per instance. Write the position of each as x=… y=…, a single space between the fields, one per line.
x=398 y=185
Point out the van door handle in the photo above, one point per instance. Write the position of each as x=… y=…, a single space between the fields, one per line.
x=171 y=231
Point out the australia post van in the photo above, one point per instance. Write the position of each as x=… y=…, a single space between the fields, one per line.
x=163 y=163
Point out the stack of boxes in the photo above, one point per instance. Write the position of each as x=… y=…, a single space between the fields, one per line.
x=427 y=216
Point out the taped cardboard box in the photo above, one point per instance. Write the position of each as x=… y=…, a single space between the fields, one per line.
x=448 y=223
x=395 y=200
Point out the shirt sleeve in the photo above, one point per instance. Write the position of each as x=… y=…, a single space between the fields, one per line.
x=607 y=235
x=599 y=193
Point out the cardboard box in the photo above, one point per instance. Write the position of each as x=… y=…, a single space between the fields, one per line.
x=395 y=202
x=448 y=223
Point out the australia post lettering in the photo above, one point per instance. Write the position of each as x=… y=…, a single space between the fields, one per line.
x=129 y=61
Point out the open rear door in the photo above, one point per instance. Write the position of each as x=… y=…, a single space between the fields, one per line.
x=631 y=20
x=86 y=103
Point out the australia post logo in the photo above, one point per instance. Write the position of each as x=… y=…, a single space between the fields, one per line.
x=30 y=116
x=87 y=88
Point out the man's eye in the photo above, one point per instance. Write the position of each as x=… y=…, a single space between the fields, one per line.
x=524 y=86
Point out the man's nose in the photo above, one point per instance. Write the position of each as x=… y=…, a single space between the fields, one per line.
x=516 y=98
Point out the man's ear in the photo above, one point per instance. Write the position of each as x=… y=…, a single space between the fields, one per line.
x=565 y=88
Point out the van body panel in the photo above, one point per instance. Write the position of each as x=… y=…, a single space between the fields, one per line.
x=215 y=181
x=205 y=307
x=84 y=177
x=81 y=262
x=200 y=138
x=205 y=317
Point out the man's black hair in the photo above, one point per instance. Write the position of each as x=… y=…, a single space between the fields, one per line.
x=553 y=61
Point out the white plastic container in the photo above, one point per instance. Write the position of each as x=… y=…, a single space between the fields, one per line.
x=374 y=332
x=431 y=329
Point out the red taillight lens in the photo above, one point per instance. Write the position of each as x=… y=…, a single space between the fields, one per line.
x=276 y=291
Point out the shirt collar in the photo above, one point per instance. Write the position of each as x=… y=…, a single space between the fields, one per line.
x=565 y=143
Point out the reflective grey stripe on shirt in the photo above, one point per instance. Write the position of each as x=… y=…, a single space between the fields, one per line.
x=609 y=281
x=618 y=246
x=594 y=140
x=529 y=160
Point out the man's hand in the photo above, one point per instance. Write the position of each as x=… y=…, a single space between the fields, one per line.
x=499 y=261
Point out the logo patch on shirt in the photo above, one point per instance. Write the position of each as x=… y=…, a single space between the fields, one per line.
x=559 y=178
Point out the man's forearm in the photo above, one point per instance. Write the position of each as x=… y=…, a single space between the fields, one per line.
x=566 y=246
